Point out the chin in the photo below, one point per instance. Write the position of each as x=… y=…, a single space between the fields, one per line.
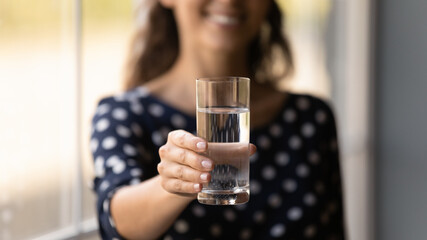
x=226 y=45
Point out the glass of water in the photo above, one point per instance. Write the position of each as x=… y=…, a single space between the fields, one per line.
x=223 y=120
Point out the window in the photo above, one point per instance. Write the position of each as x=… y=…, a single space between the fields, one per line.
x=58 y=58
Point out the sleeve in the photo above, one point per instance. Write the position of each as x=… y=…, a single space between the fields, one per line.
x=116 y=143
x=332 y=212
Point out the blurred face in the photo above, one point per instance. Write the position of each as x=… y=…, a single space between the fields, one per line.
x=221 y=25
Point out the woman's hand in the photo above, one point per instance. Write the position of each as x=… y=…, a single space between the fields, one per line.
x=182 y=168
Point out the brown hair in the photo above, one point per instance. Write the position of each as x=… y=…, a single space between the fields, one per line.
x=155 y=47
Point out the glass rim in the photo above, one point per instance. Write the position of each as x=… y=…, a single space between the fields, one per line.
x=223 y=79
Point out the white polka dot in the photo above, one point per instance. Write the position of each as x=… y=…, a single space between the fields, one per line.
x=259 y=217
x=178 y=121
x=255 y=187
x=181 y=226
x=103 y=109
x=119 y=167
x=136 y=108
x=229 y=215
x=198 y=211
x=289 y=185
x=313 y=158
x=254 y=157
x=123 y=131
x=302 y=170
x=113 y=160
x=216 y=230
x=157 y=138
x=303 y=103
x=278 y=230
x=7 y=215
x=104 y=185
x=142 y=91
x=109 y=143
x=282 y=159
x=310 y=231
x=133 y=97
x=106 y=205
x=295 y=142
x=156 y=110
x=136 y=129
x=94 y=144
x=268 y=173
x=102 y=125
x=112 y=223
x=135 y=172
x=119 y=114
x=276 y=130
x=308 y=130
x=129 y=150
x=321 y=116
x=275 y=200
x=290 y=115
x=135 y=181
x=264 y=142
x=294 y=214
x=310 y=199
x=99 y=167
x=120 y=97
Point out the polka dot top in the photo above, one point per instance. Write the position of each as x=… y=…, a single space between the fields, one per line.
x=295 y=186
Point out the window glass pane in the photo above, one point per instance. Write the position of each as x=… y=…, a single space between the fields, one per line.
x=306 y=22
x=106 y=28
x=37 y=114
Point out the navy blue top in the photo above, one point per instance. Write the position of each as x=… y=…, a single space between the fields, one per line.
x=295 y=186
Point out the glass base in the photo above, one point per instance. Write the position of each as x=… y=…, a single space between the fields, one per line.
x=220 y=197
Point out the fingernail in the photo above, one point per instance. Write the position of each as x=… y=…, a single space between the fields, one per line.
x=204 y=176
x=206 y=164
x=197 y=187
x=201 y=145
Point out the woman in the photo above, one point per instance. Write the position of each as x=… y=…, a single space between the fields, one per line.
x=148 y=162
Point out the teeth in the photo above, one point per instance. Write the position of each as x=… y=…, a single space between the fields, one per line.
x=226 y=20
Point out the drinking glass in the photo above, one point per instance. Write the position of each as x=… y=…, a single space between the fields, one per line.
x=223 y=121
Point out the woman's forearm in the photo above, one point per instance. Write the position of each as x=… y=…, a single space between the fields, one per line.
x=146 y=210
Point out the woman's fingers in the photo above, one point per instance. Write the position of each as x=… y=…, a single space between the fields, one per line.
x=178 y=186
x=183 y=156
x=172 y=170
x=187 y=140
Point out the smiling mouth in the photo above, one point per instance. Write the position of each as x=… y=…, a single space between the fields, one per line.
x=224 y=20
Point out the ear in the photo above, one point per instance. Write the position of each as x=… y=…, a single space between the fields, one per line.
x=167 y=3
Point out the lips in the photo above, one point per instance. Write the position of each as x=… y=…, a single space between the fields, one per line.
x=223 y=19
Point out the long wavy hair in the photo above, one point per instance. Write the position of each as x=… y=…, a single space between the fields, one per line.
x=154 y=47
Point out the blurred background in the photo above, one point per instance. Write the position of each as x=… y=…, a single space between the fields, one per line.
x=59 y=57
